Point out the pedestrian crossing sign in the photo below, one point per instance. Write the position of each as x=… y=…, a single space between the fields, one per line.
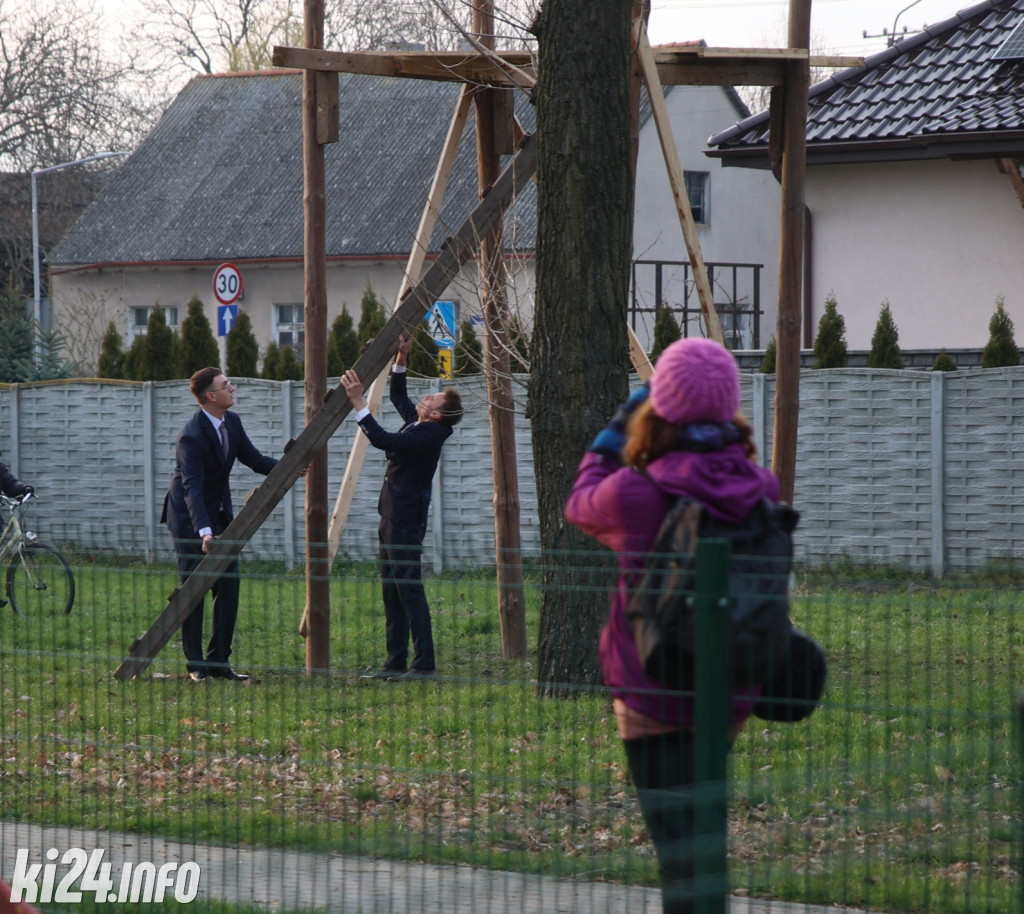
x=441 y=323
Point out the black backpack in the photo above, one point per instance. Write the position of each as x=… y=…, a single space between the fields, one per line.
x=661 y=612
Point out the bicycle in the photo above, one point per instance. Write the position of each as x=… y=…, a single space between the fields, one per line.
x=39 y=578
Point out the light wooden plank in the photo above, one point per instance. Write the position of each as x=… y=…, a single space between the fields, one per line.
x=428 y=221
x=678 y=183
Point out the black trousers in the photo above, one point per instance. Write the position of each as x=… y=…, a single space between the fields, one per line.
x=406 y=611
x=663 y=768
x=225 y=611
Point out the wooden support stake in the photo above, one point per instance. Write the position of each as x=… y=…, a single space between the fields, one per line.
x=414 y=266
x=678 y=183
x=314 y=437
x=493 y=120
x=316 y=105
x=1011 y=168
x=641 y=361
x=791 y=253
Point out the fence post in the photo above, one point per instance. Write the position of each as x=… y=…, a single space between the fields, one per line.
x=291 y=549
x=14 y=448
x=938 y=471
x=713 y=678
x=1018 y=725
x=149 y=499
x=759 y=415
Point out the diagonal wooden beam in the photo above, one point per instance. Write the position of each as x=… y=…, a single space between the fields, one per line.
x=677 y=181
x=1011 y=168
x=456 y=250
x=414 y=266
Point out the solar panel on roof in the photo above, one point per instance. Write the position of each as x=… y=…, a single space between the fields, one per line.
x=1013 y=47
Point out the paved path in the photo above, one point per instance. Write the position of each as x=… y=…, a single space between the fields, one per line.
x=277 y=879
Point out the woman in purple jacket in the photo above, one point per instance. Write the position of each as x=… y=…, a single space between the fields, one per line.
x=689 y=438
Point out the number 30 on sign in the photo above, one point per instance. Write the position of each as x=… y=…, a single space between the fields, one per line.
x=227 y=283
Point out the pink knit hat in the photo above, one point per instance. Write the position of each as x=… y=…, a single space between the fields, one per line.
x=696 y=380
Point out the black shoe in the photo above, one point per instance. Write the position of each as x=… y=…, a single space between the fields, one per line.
x=225 y=672
x=386 y=674
x=420 y=674
x=198 y=675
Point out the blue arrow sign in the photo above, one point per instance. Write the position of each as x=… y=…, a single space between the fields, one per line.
x=226 y=317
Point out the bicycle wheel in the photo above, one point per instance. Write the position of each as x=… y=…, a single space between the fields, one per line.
x=40 y=582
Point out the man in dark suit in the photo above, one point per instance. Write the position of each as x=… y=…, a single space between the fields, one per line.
x=412 y=452
x=197 y=508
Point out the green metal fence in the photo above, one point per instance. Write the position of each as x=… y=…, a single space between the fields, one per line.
x=473 y=792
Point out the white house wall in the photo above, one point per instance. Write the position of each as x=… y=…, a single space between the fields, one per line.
x=743 y=203
x=939 y=240
x=112 y=293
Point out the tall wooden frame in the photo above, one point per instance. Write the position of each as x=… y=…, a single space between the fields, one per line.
x=786 y=70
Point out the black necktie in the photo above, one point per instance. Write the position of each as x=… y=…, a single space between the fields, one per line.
x=224 y=438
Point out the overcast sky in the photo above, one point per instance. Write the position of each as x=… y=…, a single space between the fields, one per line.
x=836 y=25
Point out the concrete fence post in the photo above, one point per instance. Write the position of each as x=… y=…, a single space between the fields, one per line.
x=938 y=471
x=150 y=498
x=291 y=549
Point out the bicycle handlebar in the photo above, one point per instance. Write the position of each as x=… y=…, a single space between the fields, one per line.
x=17 y=499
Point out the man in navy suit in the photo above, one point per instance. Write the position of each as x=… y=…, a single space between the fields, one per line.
x=412 y=452
x=197 y=508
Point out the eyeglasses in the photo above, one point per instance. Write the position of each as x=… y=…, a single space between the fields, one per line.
x=215 y=390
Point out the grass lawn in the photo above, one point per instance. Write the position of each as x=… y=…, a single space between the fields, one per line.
x=898 y=794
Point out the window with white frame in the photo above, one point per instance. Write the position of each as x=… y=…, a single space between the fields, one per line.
x=289 y=326
x=697 y=192
x=138 y=320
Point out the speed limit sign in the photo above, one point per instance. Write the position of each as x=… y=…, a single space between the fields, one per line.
x=227 y=283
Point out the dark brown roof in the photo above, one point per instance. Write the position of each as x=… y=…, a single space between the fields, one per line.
x=220 y=176
x=940 y=93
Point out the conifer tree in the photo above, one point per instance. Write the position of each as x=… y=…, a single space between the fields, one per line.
x=944 y=362
x=132 y=358
x=1001 y=349
x=469 y=353
x=243 y=352
x=271 y=361
x=371 y=317
x=342 y=345
x=197 y=347
x=17 y=339
x=885 y=342
x=423 y=356
x=830 y=344
x=111 y=364
x=768 y=362
x=666 y=332
x=50 y=364
x=289 y=368
x=156 y=360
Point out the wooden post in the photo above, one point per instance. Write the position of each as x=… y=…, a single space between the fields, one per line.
x=493 y=120
x=791 y=251
x=298 y=453
x=314 y=202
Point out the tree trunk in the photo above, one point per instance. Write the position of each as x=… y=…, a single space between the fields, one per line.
x=579 y=348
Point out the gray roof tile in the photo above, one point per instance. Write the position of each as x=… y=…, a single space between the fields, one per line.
x=941 y=84
x=220 y=176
